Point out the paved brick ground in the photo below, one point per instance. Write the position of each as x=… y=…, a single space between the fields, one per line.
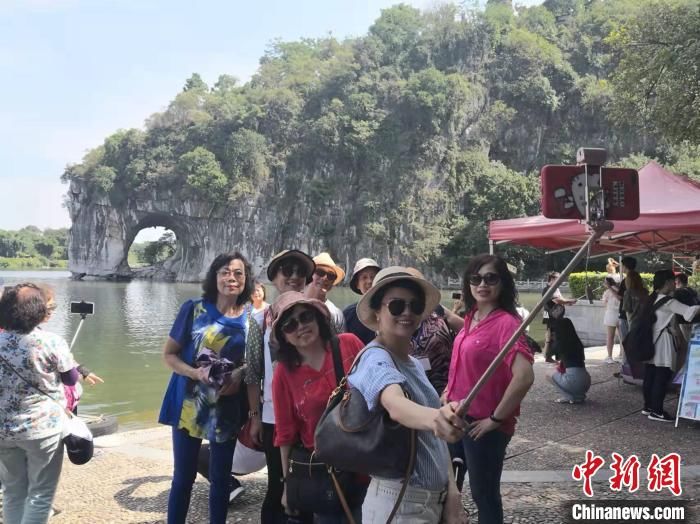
x=129 y=478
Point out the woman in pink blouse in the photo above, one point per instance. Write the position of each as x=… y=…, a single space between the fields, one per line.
x=490 y=298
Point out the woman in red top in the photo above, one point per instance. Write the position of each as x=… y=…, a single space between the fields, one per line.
x=490 y=297
x=305 y=377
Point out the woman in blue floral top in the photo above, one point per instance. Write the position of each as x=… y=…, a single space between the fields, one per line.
x=204 y=400
x=31 y=423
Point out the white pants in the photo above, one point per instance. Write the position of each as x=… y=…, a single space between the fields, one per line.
x=418 y=506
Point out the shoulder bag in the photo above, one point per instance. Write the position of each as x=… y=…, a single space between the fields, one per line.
x=350 y=437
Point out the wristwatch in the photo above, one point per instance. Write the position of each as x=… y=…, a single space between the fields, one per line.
x=252 y=414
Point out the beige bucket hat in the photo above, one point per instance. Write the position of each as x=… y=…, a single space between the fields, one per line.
x=360 y=265
x=324 y=260
x=387 y=276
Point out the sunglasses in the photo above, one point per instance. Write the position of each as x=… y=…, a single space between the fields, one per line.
x=328 y=275
x=290 y=269
x=293 y=323
x=490 y=279
x=396 y=306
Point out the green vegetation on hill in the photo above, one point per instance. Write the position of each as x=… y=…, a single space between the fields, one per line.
x=32 y=248
x=437 y=122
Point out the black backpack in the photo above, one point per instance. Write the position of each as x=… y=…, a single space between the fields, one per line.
x=639 y=342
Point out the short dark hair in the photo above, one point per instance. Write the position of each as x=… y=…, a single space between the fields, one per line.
x=22 y=312
x=629 y=263
x=552 y=275
x=509 y=295
x=375 y=302
x=209 y=284
x=287 y=354
x=683 y=278
x=661 y=277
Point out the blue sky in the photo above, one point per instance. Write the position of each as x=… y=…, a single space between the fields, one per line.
x=74 y=71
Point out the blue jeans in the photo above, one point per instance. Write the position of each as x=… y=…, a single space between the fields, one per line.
x=186 y=454
x=29 y=473
x=484 y=465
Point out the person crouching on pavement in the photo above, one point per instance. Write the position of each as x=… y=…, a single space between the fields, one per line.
x=570 y=377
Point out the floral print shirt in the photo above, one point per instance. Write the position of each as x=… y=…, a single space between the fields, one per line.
x=39 y=357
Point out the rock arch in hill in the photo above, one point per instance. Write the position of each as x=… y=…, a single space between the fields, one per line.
x=103 y=230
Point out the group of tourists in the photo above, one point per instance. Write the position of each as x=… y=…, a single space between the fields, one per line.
x=246 y=368
x=272 y=372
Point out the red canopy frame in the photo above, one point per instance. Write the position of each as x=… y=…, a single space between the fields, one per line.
x=669 y=221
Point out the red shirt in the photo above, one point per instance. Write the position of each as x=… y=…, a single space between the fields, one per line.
x=473 y=352
x=300 y=395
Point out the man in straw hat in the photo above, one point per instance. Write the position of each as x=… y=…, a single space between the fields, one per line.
x=360 y=281
x=288 y=270
x=326 y=275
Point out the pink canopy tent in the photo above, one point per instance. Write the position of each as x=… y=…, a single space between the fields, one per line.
x=669 y=221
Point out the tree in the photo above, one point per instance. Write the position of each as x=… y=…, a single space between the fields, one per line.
x=657 y=81
x=159 y=250
x=203 y=173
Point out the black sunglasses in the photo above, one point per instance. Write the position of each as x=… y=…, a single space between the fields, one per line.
x=397 y=306
x=290 y=269
x=322 y=273
x=490 y=279
x=293 y=323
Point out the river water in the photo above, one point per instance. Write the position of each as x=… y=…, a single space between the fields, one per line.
x=122 y=341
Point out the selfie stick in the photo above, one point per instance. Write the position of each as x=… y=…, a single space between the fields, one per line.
x=597 y=230
x=83 y=316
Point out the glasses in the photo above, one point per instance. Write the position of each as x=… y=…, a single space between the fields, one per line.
x=290 y=269
x=490 y=279
x=396 y=306
x=328 y=275
x=227 y=273
x=293 y=323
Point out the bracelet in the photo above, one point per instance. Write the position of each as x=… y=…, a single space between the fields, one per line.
x=252 y=414
x=496 y=420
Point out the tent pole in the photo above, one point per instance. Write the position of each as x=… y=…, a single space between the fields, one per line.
x=597 y=231
x=491 y=247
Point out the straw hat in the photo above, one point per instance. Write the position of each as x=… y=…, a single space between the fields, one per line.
x=325 y=260
x=300 y=256
x=361 y=264
x=386 y=277
x=287 y=301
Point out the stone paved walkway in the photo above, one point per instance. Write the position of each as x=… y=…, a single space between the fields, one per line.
x=129 y=478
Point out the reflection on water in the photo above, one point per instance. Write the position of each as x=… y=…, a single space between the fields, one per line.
x=122 y=342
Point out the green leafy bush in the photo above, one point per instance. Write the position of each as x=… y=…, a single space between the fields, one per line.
x=578 y=281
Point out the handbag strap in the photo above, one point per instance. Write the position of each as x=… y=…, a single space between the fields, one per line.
x=12 y=368
x=337 y=360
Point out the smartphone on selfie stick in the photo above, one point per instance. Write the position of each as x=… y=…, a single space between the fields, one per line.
x=588 y=192
x=83 y=309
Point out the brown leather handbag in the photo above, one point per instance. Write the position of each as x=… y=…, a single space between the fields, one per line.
x=350 y=437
